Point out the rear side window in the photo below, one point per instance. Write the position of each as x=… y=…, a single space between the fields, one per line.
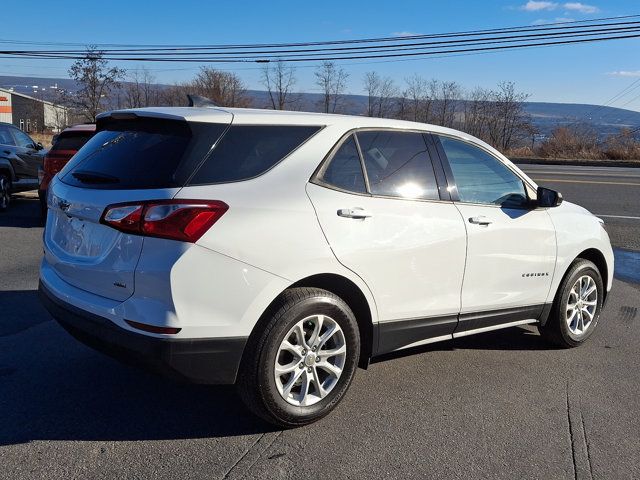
x=398 y=164
x=141 y=153
x=71 y=141
x=482 y=178
x=247 y=151
x=344 y=170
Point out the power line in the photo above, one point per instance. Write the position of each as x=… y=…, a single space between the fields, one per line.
x=548 y=26
x=280 y=54
x=308 y=58
x=283 y=54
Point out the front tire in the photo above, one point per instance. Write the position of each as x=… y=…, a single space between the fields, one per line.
x=300 y=363
x=577 y=306
x=5 y=192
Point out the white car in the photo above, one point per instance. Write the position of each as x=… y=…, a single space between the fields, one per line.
x=280 y=251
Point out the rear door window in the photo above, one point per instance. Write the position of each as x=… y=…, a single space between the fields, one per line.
x=344 y=170
x=5 y=136
x=141 y=153
x=398 y=164
x=247 y=151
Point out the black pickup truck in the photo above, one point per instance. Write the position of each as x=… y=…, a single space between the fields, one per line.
x=20 y=159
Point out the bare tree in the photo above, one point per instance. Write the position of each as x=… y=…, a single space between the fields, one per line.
x=475 y=112
x=140 y=90
x=508 y=120
x=279 y=81
x=332 y=81
x=174 y=95
x=447 y=95
x=97 y=81
x=381 y=94
x=415 y=101
x=371 y=86
x=224 y=88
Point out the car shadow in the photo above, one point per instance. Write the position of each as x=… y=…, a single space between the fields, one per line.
x=23 y=212
x=54 y=388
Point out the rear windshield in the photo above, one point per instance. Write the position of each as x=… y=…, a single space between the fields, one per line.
x=71 y=141
x=247 y=151
x=141 y=153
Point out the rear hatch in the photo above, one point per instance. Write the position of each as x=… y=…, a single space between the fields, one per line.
x=130 y=158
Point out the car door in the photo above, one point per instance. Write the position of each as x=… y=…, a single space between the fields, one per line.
x=29 y=157
x=378 y=203
x=511 y=250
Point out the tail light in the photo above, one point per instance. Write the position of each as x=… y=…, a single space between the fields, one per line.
x=183 y=220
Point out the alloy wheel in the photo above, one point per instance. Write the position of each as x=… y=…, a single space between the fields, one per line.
x=310 y=360
x=581 y=305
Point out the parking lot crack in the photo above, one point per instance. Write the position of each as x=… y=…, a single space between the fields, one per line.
x=580 y=451
x=586 y=444
x=249 y=458
x=571 y=440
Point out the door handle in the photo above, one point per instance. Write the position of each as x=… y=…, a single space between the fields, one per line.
x=480 y=220
x=355 y=212
x=8 y=152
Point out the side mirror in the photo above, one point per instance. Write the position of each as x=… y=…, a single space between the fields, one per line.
x=548 y=198
x=38 y=146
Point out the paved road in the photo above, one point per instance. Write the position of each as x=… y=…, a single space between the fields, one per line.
x=499 y=405
x=611 y=193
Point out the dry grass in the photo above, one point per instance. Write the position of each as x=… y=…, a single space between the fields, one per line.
x=43 y=138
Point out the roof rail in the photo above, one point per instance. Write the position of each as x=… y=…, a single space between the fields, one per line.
x=199 y=101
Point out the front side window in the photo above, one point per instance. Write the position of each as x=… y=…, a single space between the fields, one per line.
x=22 y=139
x=398 y=164
x=344 y=170
x=482 y=178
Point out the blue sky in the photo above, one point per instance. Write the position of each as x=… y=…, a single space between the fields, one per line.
x=589 y=73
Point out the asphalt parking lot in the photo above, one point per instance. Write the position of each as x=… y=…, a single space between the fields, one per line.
x=497 y=405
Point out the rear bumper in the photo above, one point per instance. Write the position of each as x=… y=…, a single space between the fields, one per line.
x=201 y=360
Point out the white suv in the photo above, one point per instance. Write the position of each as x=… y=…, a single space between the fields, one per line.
x=279 y=250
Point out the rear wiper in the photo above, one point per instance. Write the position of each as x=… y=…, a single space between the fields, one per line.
x=94 y=177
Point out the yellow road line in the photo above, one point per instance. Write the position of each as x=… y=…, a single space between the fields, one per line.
x=555 y=180
x=587 y=174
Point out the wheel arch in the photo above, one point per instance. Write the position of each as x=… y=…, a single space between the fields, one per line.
x=353 y=296
x=597 y=257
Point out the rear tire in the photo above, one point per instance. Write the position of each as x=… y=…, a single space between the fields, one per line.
x=5 y=192
x=311 y=336
x=577 y=306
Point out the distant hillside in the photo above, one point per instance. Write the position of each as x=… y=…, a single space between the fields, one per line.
x=545 y=115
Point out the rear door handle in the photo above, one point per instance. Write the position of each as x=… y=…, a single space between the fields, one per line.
x=355 y=212
x=480 y=220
